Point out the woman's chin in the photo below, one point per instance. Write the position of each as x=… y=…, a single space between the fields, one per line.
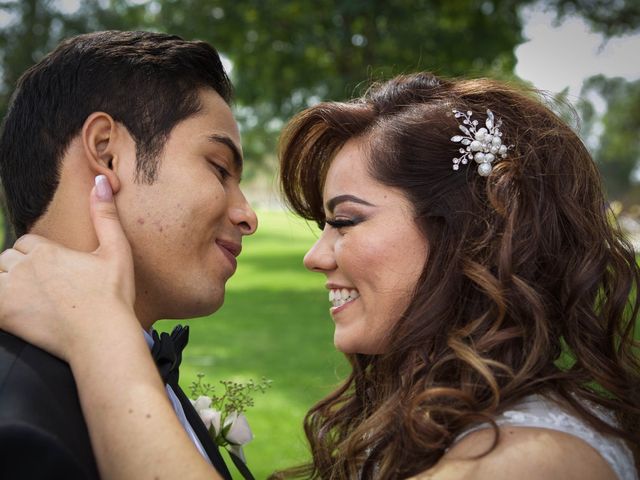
x=344 y=343
x=352 y=344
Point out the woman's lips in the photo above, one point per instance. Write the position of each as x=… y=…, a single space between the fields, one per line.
x=335 y=310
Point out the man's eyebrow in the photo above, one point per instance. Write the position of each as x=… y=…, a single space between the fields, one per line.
x=223 y=139
x=335 y=201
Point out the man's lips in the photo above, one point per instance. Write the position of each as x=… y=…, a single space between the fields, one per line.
x=234 y=248
x=230 y=250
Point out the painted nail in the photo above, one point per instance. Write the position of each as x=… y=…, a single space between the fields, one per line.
x=103 y=188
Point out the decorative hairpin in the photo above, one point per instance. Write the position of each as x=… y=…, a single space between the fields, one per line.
x=483 y=145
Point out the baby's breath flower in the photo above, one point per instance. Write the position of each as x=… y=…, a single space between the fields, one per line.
x=223 y=415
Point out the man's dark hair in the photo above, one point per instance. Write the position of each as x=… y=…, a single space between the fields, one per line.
x=147 y=81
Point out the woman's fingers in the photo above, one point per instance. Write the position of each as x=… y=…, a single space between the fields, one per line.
x=114 y=249
x=28 y=242
x=106 y=221
x=9 y=258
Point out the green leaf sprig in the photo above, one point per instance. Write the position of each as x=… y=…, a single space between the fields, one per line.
x=236 y=397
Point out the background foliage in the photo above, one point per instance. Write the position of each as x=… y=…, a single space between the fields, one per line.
x=287 y=55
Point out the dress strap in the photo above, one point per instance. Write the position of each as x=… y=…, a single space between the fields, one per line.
x=541 y=412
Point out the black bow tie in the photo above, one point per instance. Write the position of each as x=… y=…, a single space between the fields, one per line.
x=167 y=352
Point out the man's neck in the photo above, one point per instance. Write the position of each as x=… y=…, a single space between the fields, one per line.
x=144 y=316
x=69 y=235
x=67 y=220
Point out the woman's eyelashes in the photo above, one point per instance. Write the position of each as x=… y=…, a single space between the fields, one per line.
x=343 y=222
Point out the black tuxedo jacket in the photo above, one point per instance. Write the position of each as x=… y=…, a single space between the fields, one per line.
x=42 y=431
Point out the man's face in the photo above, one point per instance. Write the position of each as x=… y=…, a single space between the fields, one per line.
x=186 y=228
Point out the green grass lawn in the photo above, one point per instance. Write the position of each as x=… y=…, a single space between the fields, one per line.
x=274 y=323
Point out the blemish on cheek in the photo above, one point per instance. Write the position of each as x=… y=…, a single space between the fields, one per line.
x=148 y=415
x=141 y=221
x=184 y=225
x=158 y=225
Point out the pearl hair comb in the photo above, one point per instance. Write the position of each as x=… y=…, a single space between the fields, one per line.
x=484 y=145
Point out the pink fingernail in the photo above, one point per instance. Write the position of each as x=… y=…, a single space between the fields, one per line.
x=103 y=188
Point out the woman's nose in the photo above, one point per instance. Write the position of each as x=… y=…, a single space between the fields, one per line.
x=320 y=257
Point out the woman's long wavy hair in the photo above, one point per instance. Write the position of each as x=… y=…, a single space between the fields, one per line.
x=529 y=286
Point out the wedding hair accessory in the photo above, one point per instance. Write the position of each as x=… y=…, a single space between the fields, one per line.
x=483 y=144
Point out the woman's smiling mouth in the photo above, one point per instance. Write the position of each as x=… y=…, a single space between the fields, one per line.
x=342 y=296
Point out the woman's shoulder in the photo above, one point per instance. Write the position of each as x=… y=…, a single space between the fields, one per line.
x=522 y=453
x=539 y=438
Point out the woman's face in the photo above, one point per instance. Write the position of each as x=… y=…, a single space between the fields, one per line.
x=370 y=250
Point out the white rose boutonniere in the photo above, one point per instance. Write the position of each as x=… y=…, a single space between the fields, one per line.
x=224 y=415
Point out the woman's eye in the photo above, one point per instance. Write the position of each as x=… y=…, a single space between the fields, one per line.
x=340 y=223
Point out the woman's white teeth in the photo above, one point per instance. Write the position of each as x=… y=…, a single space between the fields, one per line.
x=339 y=297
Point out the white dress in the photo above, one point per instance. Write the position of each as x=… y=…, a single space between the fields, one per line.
x=540 y=412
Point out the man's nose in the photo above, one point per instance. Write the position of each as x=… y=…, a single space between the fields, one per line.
x=242 y=215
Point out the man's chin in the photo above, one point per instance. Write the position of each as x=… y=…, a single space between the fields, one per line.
x=202 y=309
x=200 y=304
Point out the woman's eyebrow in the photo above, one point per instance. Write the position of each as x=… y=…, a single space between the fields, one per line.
x=335 y=201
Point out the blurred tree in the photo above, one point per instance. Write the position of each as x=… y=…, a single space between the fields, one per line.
x=613 y=134
x=287 y=55
x=606 y=16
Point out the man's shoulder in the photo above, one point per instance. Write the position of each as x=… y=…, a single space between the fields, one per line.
x=29 y=452
x=24 y=366
x=35 y=387
x=39 y=406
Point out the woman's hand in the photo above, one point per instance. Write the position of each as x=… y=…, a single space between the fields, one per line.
x=50 y=294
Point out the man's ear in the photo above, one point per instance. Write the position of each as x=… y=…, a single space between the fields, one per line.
x=100 y=136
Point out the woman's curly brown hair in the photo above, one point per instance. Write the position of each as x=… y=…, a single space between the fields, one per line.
x=529 y=286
